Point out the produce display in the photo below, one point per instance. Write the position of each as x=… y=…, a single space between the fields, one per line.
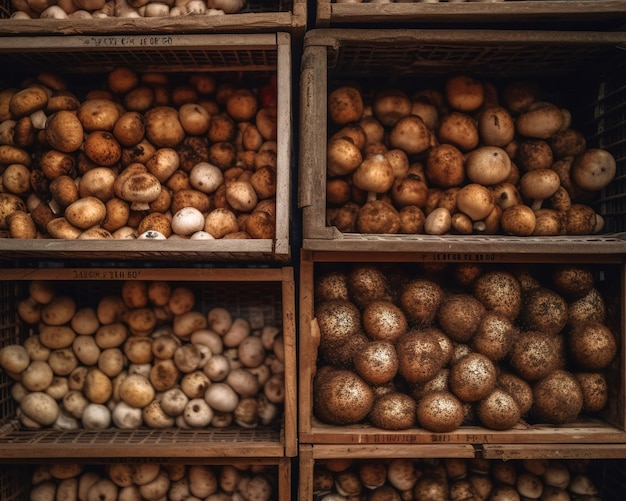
x=99 y=9
x=467 y=157
x=153 y=481
x=146 y=357
x=443 y=346
x=145 y=156
x=455 y=479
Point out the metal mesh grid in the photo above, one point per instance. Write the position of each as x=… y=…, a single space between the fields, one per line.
x=166 y=58
x=509 y=60
x=608 y=126
x=14 y=483
x=153 y=438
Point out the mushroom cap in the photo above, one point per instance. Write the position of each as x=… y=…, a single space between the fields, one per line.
x=488 y=165
x=375 y=174
x=594 y=169
x=139 y=187
x=475 y=200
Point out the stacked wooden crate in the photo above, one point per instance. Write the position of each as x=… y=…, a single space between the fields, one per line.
x=370 y=47
x=252 y=279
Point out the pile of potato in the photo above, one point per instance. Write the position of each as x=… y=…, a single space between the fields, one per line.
x=144 y=357
x=441 y=347
x=100 y=9
x=152 y=481
x=143 y=156
x=468 y=157
x=454 y=479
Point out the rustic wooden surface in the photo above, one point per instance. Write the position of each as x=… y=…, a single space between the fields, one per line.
x=293 y=21
x=546 y=12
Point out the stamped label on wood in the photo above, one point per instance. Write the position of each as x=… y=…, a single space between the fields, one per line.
x=106 y=274
x=129 y=41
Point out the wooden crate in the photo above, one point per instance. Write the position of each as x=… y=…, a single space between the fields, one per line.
x=256 y=17
x=16 y=479
x=87 y=59
x=605 y=469
x=550 y=13
x=416 y=59
x=263 y=296
x=607 y=428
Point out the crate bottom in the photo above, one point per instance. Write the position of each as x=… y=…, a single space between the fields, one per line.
x=593 y=432
x=115 y=443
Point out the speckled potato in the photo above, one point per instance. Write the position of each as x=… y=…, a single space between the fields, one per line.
x=440 y=412
x=341 y=397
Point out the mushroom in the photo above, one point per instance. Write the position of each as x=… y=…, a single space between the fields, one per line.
x=506 y=195
x=206 y=177
x=556 y=474
x=582 y=485
x=343 y=156
x=390 y=105
x=538 y=185
x=125 y=416
x=475 y=200
x=137 y=186
x=487 y=165
x=187 y=220
x=374 y=175
x=593 y=170
x=345 y=105
x=529 y=485
x=438 y=222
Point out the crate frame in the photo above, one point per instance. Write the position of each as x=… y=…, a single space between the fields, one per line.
x=256 y=17
x=82 y=55
x=233 y=442
x=15 y=480
x=546 y=12
x=347 y=55
x=546 y=437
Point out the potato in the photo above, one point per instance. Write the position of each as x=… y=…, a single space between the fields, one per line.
x=86 y=213
x=21 y=225
x=59 y=311
x=56 y=336
x=40 y=407
x=8 y=205
x=27 y=101
x=541 y=122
